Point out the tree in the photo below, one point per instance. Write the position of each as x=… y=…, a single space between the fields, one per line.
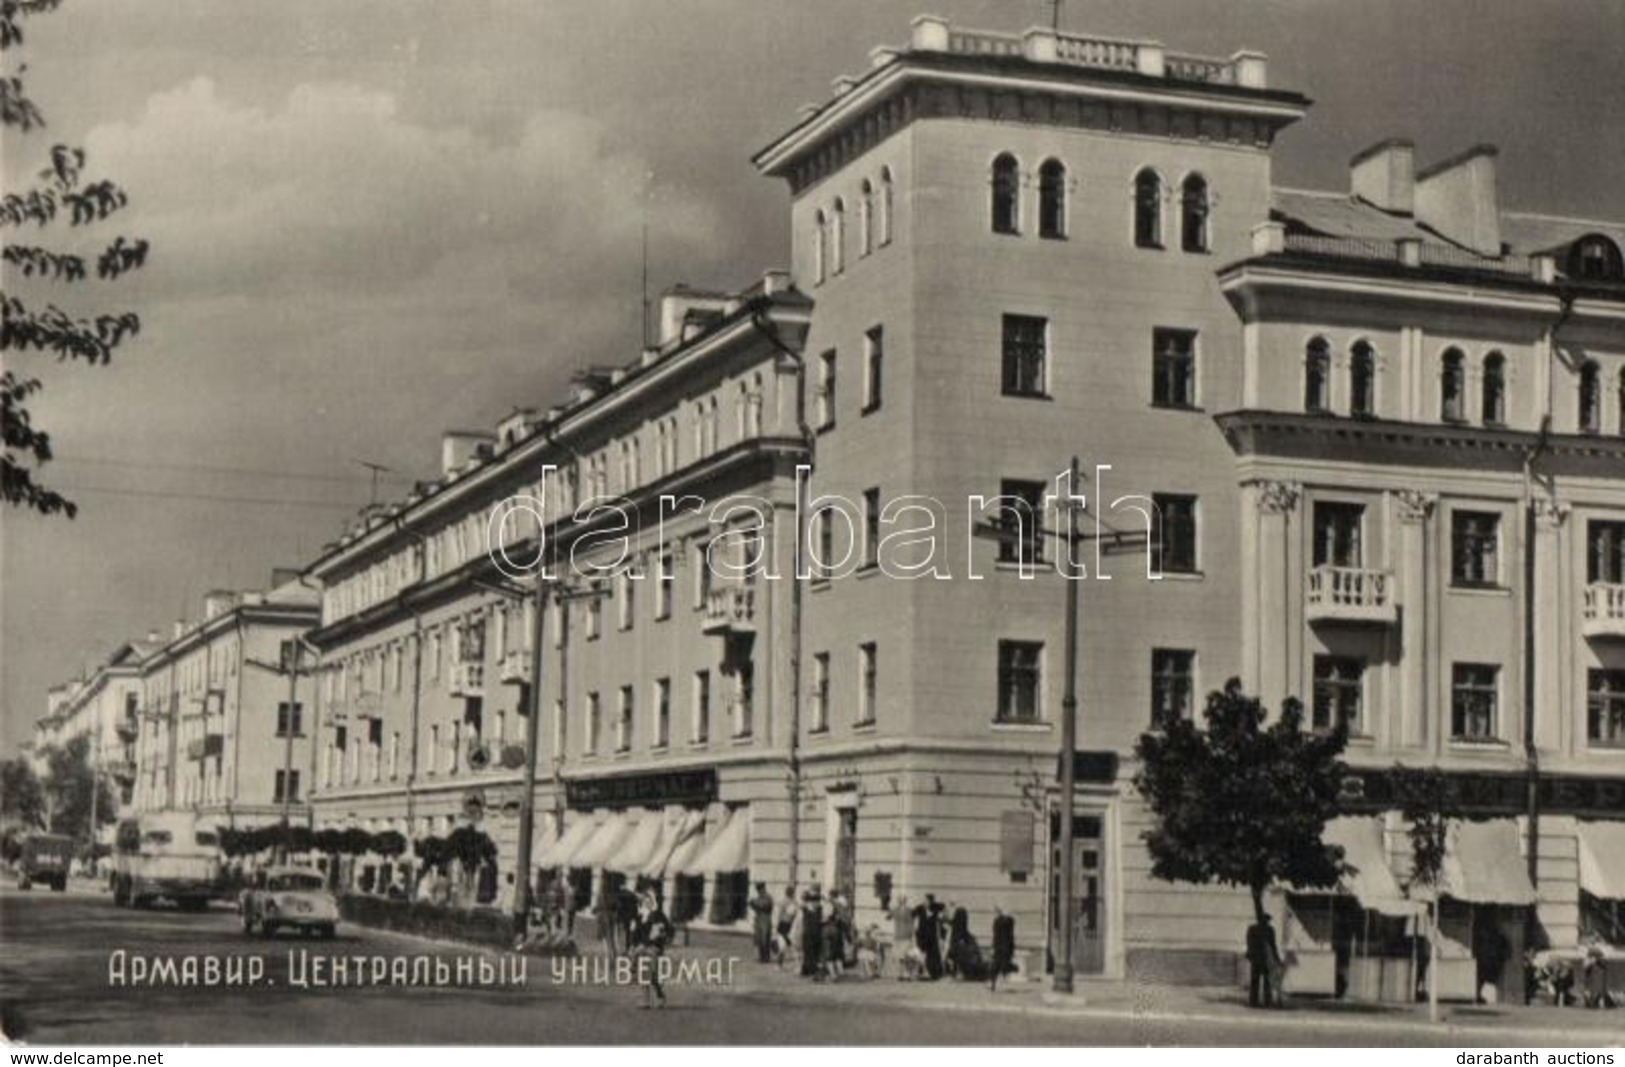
x=63 y=192
x=1428 y=806
x=1239 y=803
x=70 y=784
x=22 y=798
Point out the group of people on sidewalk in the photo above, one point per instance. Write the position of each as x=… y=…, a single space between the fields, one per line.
x=825 y=937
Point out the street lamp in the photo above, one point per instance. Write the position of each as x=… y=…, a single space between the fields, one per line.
x=289 y=665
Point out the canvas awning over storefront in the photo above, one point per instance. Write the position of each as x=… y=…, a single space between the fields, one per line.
x=635 y=850
x=680 y=845
x=575 y=836
x=1483 y=864
x=1602 y=859
x=1372 y=881
x=728 y=851
x=545 y=841
x=605 y=841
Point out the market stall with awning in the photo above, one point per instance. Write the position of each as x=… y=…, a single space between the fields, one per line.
x=1484 y=887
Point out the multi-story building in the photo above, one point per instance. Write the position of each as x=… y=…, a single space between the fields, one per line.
x=219 y=735
x=103 y=709
x=1374 y=434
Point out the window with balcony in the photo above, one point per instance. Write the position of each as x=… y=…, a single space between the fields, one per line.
x=701 y=731
x=868 y=677
x=1452 y=386
x=1339 y=694
x=871 y=527
x=1475 y=540
x=1338 y=528
x=1590 y=398
x=1362 y=380
x=1173 y=368
x=818 y=712
x=1006 y=194
x=1193 y=214
x=1173 y=685
x=1148 y=209
x=1317 y=376
x=1605 y=708
x=1474 y=694
x=290 y=721
x=1605 y=552
x=874 y=360
x=662 y=730
x=1025 y=355
x=1019 y=698
x=825 y=405
x=1020 y=515
x=1494 y=400
x=1052 y=200
x=1173 y=534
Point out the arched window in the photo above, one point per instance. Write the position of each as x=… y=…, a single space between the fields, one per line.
x=1597 y=259
x=1006 y=194
x=866 y=219
x=1590 y=397
x=1052 y=199
x=1362 y=380
x=1317 y=371
x=820 y=253
x=1452 y=386
x=1148 y=209
x=1193 y=213
x=837 y=237
x=885 y=206
x=1495 y=389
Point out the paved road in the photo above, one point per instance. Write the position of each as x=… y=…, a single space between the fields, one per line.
x=55 y=989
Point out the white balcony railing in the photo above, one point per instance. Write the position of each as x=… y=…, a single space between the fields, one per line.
x=1350 y=594
x=467 y=679
x=515 y=668
x=1604 y=610
x=731 y=610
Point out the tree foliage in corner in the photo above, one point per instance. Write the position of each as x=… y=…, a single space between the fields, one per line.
x=74 y=791
x=62 y=194
x=1241 y=803
x=22 y=796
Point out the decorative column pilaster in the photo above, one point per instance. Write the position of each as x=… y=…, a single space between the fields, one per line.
x=1556 y=607
x=1267 y=587
x=1412 y=726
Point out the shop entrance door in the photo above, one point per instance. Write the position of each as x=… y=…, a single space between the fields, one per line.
x=846 y=853
x=1087 y=910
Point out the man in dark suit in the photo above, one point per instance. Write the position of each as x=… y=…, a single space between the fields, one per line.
x=1004 y=945
x=1262 y=957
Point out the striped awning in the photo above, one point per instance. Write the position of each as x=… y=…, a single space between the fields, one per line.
x=681 y=843
x=575 y=836
x=728 y=851
x=605 y=841
x=1372 y=881
x=1602 y=859
x=639 y=845
x=1484 y=864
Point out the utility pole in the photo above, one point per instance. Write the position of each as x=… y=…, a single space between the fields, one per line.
x=288 y=665
x=527 y=799
x=1069 y=729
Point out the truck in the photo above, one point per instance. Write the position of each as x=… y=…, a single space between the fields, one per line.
x=44 y=858
x=165 y=855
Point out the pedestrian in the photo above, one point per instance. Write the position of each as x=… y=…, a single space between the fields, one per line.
x=812 y=934
x=1004 y=945
x=1263 y=956
x=927 y=936
x=964 y=954
x=787 y=922
x=604 y=915
x=834 y=941
x=648 y=937
x=867 y=945
x=761 y=908
x=626 y=911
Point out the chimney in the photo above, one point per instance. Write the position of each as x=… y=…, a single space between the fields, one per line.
x=218 y=602
x=457 y=447
x=152 y=637
x=677 y=305
x=180 y=628
x=1457 y=198
x=1384 y=175
x=281 y=576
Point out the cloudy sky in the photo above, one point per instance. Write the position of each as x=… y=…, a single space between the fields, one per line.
x=375 y=219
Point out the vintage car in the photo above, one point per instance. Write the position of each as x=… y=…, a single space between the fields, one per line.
x=44 y=858
x=292 y=897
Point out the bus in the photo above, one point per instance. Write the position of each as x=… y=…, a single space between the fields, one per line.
x=165 y=855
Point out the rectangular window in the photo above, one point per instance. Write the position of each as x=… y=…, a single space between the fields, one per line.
x=662 y=712
x=819 y=712
x=1339 y=693
x=745 y=701
x=871 y=527
x=286 y=722
x=702 y=707
x=394 y=755
x=1605 y=708
x=1021 y=514
x=627 y=599
x=595 y=614
x=1026 y=370
x=868 y=672
x=826 y=391
x=1173 y=684
x=1475 y=538
x=1173 y=368
x=702 y=575
x=595 y=711
x=1338 y=534
x=1173 y=534
x=287 y=786
x=825 y=562
x=558 y=728
x=1474 y=690
x=1019 y=693
x=1605 y=552
x=665 y=582
x=623 y=724
x=874 y=356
